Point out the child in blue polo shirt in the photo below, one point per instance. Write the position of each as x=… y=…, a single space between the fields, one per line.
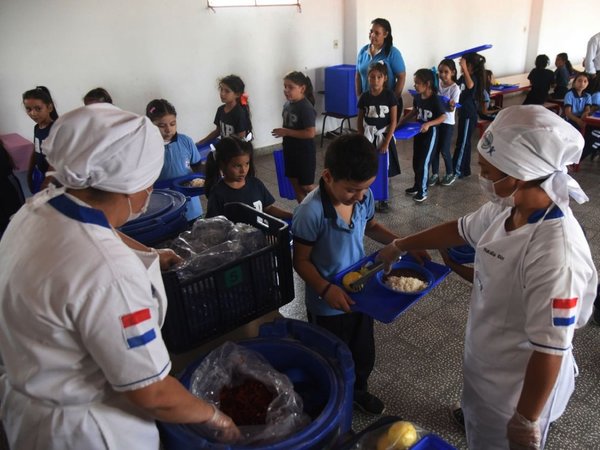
x=577 y=102
x=181 y=154
x=328 y=227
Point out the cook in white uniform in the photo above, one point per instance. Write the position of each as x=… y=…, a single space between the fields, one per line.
x=534 y=281
x=81 y=307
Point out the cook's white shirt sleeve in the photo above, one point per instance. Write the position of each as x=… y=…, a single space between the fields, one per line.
x=472 y=226
x=118 y=325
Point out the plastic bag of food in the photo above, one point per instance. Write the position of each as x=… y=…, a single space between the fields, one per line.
x=389 y=433
x=211 y=232
x=212 y=258
x=251 y=238
x=260 y=400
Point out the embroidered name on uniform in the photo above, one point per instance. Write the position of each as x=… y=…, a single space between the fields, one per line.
x=137 y=328
x=563 y=311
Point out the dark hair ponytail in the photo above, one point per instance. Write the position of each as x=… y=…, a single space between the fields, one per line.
x=478 y=63
x=302 y=80
x=427 y=76
x=42 y=93
x=158 y=108
x=389 y=40
x=237 y=86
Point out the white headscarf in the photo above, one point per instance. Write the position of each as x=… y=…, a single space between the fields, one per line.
x=530 y=142
x=104 y=147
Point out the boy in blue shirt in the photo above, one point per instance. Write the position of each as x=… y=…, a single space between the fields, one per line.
x=328 y=227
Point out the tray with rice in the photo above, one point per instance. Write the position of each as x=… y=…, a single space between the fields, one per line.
x=382 y=302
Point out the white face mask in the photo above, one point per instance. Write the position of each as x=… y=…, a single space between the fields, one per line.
x=488 y=189
x=132 y=215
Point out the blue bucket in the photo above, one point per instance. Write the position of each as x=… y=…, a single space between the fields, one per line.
x=320 y=367
x=164 y=218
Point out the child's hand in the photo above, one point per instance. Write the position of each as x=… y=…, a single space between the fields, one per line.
x=425 y=127
x=337 y=298
x=451 y=105
x=420 y=256
x=383 y=147
x=279 y=132
x=463 y=64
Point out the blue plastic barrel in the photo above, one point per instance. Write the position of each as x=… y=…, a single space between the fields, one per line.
x=321 y=368
x=164 y=218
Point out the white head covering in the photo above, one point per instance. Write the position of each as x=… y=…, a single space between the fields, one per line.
x=104 y=147
x=530 y=142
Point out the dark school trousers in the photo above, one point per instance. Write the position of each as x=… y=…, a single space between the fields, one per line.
x=462 y=152
x=444 y=140
x=356 y=331
x=423 y=149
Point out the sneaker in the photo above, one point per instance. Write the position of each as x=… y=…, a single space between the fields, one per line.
x=368 y=403
x=382 y=206
x=448 y=180
x=420 y=197
x=412 y=191
x=457 y=416
x=433 y=179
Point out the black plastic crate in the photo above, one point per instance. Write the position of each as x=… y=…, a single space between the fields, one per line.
x=214 y=303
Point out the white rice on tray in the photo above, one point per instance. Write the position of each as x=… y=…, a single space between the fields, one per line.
x=405 y=284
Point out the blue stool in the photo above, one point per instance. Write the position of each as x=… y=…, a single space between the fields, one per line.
x=285 y=187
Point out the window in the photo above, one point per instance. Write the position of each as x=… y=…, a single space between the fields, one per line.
x=228 y=3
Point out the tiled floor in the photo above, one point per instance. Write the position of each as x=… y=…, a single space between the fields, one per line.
x=419 y=356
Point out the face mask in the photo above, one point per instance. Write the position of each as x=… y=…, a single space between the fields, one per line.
x=132 y=215
x=487 y=187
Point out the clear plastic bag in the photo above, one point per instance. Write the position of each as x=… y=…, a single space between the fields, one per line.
x=211 y=232
x=399 y=435
x=231 y=365
x=211 y=259
x=251 y=238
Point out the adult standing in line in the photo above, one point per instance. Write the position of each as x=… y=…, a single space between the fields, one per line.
x=592 y=55
x=381 y=48
x=534 y=279
x=81 y=306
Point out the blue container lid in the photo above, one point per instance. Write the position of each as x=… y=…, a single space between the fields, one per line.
x=165 y=206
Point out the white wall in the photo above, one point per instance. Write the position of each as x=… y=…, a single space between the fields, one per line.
x=143 y=49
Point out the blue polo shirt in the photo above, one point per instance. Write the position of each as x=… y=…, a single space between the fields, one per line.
x=394 y=62
x=335 y=244
x=576 y=102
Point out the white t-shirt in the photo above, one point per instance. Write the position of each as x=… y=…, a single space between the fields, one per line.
x=453 y=93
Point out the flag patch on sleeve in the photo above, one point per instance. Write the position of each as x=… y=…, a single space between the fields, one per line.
x=563 y=311
x=137 y=328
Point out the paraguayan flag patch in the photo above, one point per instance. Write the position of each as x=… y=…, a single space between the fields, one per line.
x=563 y=311
x=137 y=328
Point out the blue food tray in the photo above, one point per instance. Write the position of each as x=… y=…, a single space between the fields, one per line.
x=380 y=186
x=179 y=185
x=285 y=186
x=432 y=442
x=379 y=302
x=469 y=50
x=205 y=149
x=445 y=99
x=463 y=254
x=596 y=114
x=407 y=130
x=504 y=87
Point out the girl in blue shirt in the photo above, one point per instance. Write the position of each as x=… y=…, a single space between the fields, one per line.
x=181 y=154
x=578 y=102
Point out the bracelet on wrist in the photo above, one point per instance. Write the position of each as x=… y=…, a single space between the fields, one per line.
x=324 y=291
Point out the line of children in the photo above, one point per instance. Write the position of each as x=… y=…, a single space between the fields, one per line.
x=471 y=85
x=541 y=80
x=449 y=89
x=235 y=160
x=429 y=111
x=181 y=154
x=562 y=75
x=377 y=118
x=298 y=132
x=329 y=227
x=39 y=106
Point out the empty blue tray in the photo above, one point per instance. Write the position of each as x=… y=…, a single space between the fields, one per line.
x=442 y=97
x=504 y=87
x=407 y=130
x=382 y=304
x=596 y=114
x=469 y=50
x=432 y=442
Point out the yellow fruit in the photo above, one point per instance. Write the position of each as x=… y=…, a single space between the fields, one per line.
x=350 y=278
x=382 y=443
x=402 y=435
x=363 y=270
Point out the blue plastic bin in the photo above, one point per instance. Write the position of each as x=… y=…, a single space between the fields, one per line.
x=321 y=368
x=164 y=218
x=285 y=187
x=340 y=89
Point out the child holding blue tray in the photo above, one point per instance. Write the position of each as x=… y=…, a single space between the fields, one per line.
x=429 y=111
x=449 y=89
x=377 y=117
x=329 y=227
x=181 y=154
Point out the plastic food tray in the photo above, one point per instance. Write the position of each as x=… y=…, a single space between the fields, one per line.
x=463 y=254
x=504 y=87
x=179 y=185
x=382 y=304
x=431 y=442
x=445 y=99
x=469 y=50
x=407 y=130
x=596 y=114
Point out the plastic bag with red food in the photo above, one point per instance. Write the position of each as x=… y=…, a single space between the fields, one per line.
x=260 y=400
